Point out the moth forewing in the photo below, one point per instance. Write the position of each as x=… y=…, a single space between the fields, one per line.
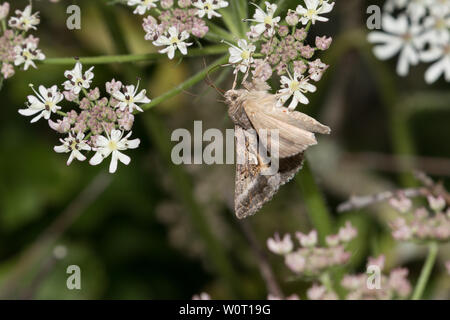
x=281 y=137
x=292 y=139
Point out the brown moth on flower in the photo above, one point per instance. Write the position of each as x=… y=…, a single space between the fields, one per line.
x=271 y=138
x=254 y=110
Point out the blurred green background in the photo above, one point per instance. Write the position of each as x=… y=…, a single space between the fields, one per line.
x=156 y=231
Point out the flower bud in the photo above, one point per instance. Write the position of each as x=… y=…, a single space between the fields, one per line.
x=292 y=18
x=4 y=10
x=323 y=43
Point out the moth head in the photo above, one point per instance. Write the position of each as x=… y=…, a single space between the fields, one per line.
x=232 y=96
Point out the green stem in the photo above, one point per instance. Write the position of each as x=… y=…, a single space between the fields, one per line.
x=126 y=58
x=186 y=84
x=426 y=271
x=308 y=26
x=317 y=209
x=326 y=282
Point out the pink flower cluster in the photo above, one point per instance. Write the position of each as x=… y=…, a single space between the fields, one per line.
x=184 y=17
x=394 y=285
x=310 y=259
x=96 y=124
x=285 y=49
x=16 y=48
x=96 y=115
x=421 y=224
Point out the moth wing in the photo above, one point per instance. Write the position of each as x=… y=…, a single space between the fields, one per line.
x=294 y=137
x=299 y=120
x=253 y=189
x=247 y=198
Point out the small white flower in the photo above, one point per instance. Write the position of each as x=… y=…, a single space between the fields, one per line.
x=294 y=86
x=437 y=25
x=26 y=54
x=209 y=7
x=313 y=11
x=45 y=103
x=128 y=98
x=74 y=145
x=418 y=8
x=316 y=69
x=265 y=20
x=242 y=55
x=295 y=261
x=280 y=246
x=174 y=41
x=441 y=66
x=24 y=20
x=142 y=5
x=78 y=80
x=400 y=37
x=113 y=144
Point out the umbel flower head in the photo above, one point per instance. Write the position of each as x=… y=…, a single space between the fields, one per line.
x=99 y=124
x=273 y=44
x=172 y=23
x=420 y=224
x=312 y=260
x=317 y=263
x=416 y=31
x=17 y=49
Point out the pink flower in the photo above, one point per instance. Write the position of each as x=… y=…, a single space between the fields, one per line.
x=401 y=203
x=377 y=262
x=4 y=10
x=295 y=261
x=436 y=203
x=292 y=18
x=280 y=246
x=323 y=43
x=347 y=233
x=7 y=70
x=307 y=240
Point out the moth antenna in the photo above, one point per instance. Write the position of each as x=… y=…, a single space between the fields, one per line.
x=210 y=83
x=191 y=94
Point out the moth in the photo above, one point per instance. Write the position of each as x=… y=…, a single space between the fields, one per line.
x=252 y=111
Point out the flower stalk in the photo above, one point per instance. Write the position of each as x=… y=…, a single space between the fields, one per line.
x=186 y=84
x=317 y=208
x=128 y=58
x=426 y=271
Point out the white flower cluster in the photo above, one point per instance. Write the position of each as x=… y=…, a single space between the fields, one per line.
x=17 y=49
x=417 y=31
x=281 y=46
x=171 y=24
x=98 y=126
